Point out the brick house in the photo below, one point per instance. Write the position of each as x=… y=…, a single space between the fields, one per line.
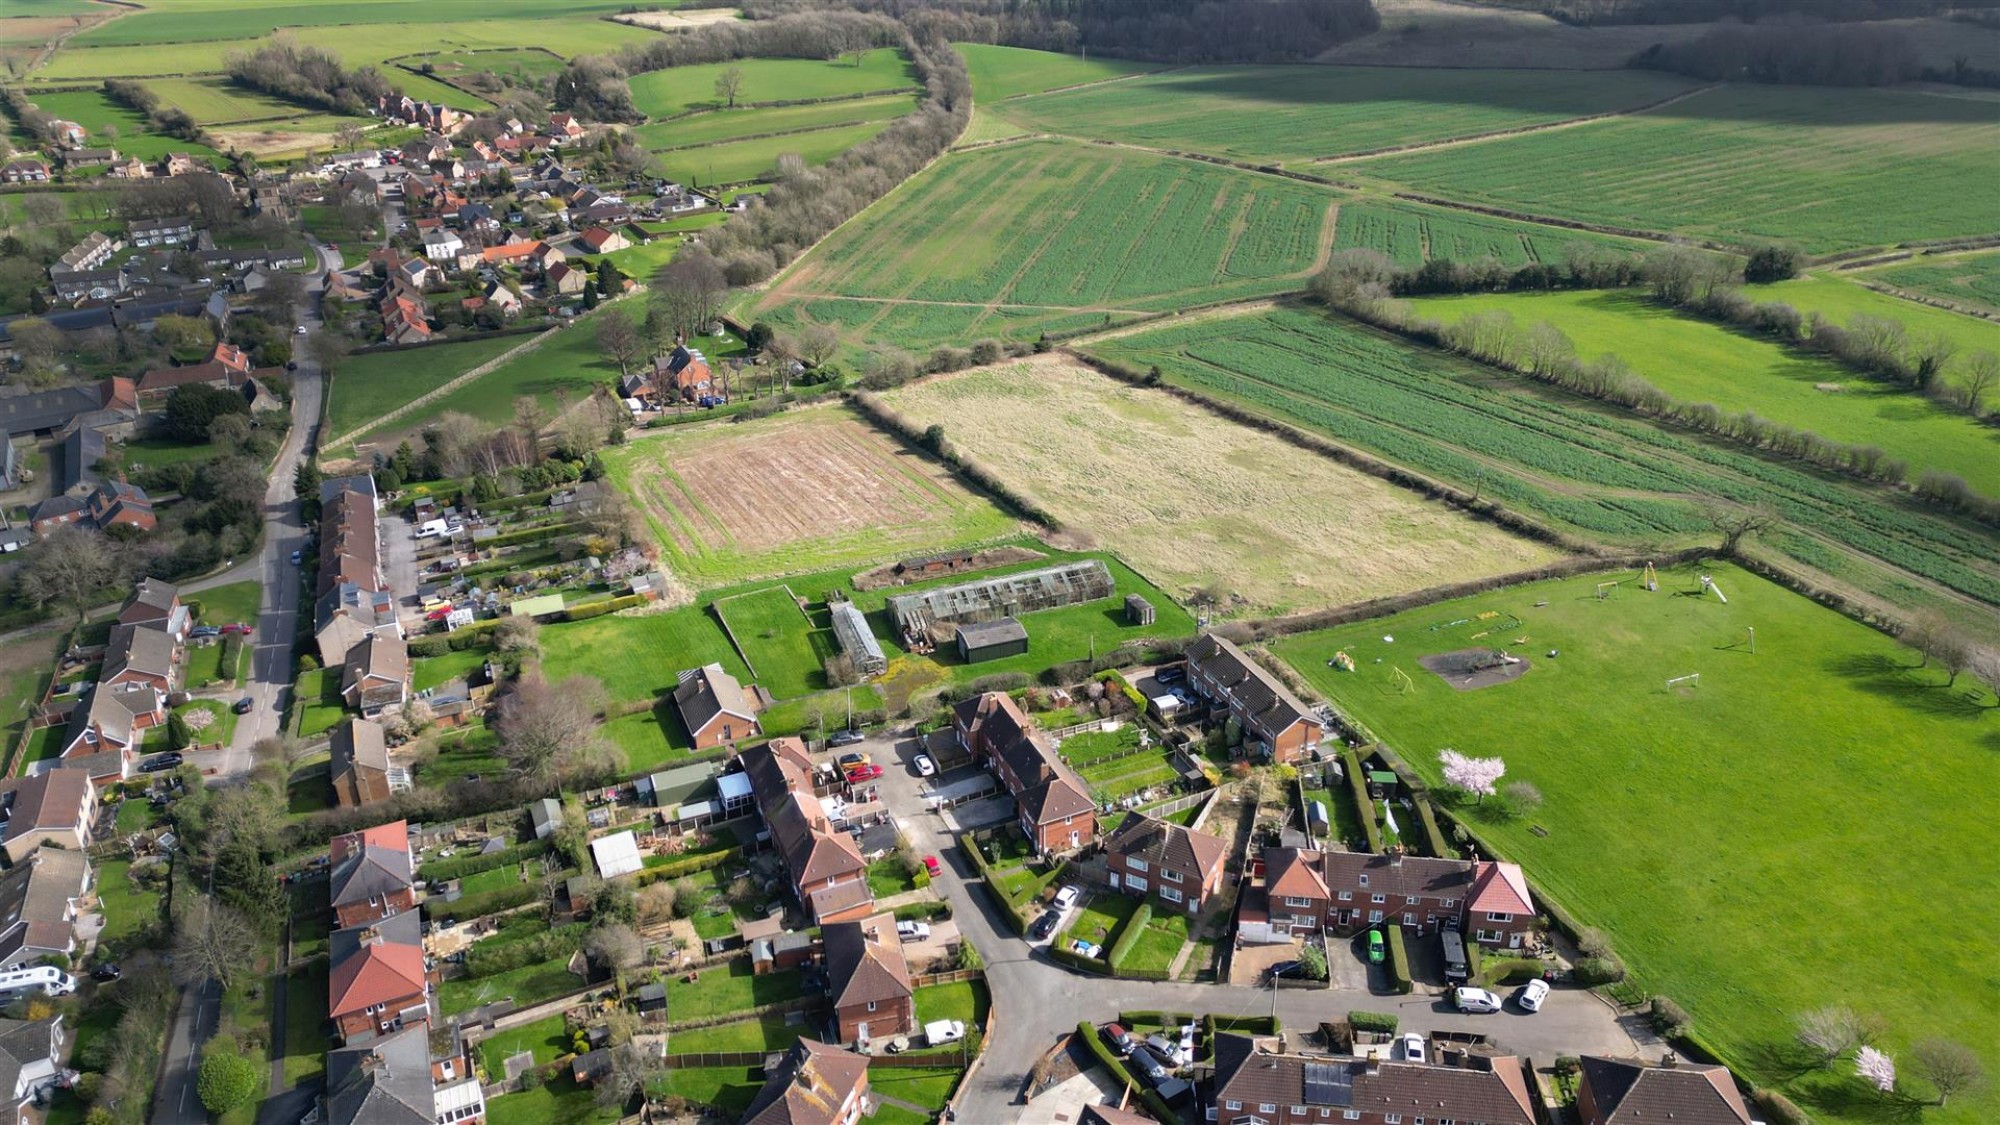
x=1489 y=901
x=372 y=874
x=816 y=1084
x=716 y=709
x=55 y=806
x=1055 y=809
x=1629 y=1092
x=1256 y=1084
x=868 y=980
x=1177 y=865
x=377 y=982
x=41 y=898
x=376 y=676
x=154 y=604
x=828 y=874
x=1272 y=717
x=105 y=730
x=360 y=766
x=139 y=657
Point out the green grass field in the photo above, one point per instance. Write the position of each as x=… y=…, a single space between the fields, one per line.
x=522 y=63
x=1052 y=231
x=1840 y=300
x=1597 y=470
x=1295 y=114
x=217 y=101
x=1160 y=944
x=1412 y=234
x=367 y=386
x=1830 y=169
x=569 y=364
x=1971 y=278
x=780 y=641
x=529 y=984
x=731 y=124
x=1005 y=72
x=1742 y=840
x=169 y=21
x=736 y=162
x=1698 y=361
x=545 y=1039
x=664 y=93
x=98 y=113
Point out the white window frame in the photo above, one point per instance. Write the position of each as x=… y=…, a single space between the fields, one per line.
x=1347 y=896
x=1364 y=878
x=1380 y=900
x=1134 y=863
x=1374 y=916
x=1170 y=875
x=1172 y=895
x=1298 y=903
x=1232 y=1105
x=1491 y=916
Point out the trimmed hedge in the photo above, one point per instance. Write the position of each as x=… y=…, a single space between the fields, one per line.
x=1154 y=1103
x=1475 y=958
x=923 y=911
x=492 y=902
x=1778 y=1109
x=1135 y=927
x=1399 y=960
x=1074 y=959
x=1362 y=805
x=1434 y=841
x=599 y=609
x=1512 y=970
x=1255 y=1025
x=688 y=865
x=460 y=867
x=1373 y=1021
x=1158 y=1019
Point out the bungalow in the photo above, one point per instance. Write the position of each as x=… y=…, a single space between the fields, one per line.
x=1274 y=720
x=1629 y=1092
x=372 y=875
x=154 y=604
x=566 y=280
x=868 y=980
x=816 y=1084
x=55 y=806
x=40 y=899
x=599 y=240
x=31 y=1053
x=86 y=157
x=377 y=674
x=360 y=766
x=377 y=982
x=171 y=231
x=1258 y=1082
x=25 y=170
x=1182 y=867
x=139 y=657
x=715 y=707
x=1055 y=809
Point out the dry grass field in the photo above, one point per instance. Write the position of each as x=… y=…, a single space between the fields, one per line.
x=812 y=490
x=1192 y=500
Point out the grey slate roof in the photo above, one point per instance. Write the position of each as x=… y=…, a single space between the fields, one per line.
x=372 y=871
x=384 y=1081
x=1258 y=696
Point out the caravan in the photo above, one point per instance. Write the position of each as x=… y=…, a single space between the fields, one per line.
x=45 y=979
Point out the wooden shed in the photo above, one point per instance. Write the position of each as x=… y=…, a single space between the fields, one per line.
x=991 y=640
x=1138 y=611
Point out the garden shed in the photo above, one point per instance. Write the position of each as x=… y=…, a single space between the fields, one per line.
x=1138 y=611
x=991 y=640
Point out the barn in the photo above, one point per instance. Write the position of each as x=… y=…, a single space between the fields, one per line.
x=857 y=641
x=981 y=641
x=1006 y=596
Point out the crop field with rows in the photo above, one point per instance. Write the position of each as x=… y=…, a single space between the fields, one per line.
x=1293 y=115
x=1971 y=278
x=730 y=124
x=1412 y=234
x=1828 y=168
x=1562 y=459
x=199 y=21
x=1840 y=300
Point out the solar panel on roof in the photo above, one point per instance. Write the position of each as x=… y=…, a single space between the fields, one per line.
x=1328 y=1085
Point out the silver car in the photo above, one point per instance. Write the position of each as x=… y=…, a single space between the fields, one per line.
x=1476 y=1000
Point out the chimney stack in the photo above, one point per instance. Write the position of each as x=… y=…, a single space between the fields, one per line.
x=1669 y=1061
x=370 y=936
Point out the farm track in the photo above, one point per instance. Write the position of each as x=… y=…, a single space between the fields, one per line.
x=56 y=43
x=1505 y=134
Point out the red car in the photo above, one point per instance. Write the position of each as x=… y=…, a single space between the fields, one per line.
x=931 y=865
x=236 y=627
x=858 y=774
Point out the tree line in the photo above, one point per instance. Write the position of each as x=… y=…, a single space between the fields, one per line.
x=1791 y=53
x=168 y=119
x=311 y=75
x=1178 y=31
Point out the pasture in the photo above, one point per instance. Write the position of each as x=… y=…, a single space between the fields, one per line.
x=1297 y=114
x=680 y=89
x=523 y=63
x=785 y=651
x=1561 y=460
x=737 y=162
x=1741 y=840
x=1005 y=72
x=808 y=490
x=1412 y=234
x=99 y=114
x=731 y=124
x=1694 y=360
x=369 y=385
x=195 y=21
x=1831 y=169
x=218 y=101
x=1840 y=300
x=1201 y=503
x=1971 y=278
x=1050 y=230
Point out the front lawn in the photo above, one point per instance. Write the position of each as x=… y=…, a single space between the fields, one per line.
x=221 y=721
x=529 y=984
x=719 y=991
x=1159 y=945
x=1102 y=918
x=966 y=1001
x=888 y=877
x=127 y=907
x=318 y=696
x=236 y=602
x=927 y=1088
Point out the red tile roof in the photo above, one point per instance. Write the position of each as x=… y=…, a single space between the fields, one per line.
x=1499 y=888
x=381 y=973
x=394 y=835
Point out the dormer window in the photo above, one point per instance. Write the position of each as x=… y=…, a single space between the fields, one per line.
x=1364 y=879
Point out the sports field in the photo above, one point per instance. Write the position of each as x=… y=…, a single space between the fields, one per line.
x=1829 y=168
x=1196 y=501
x=1052 y=229
x=664 y=93
x=367 y=386
x=1697 y=361
x=1295 y=114
x=1412 y=234
x=1560 y=459
x=1004 y=72
x=805 y=491
x=1971 y=278
x=730 y=124
x=735 y=162
x=1751 y=844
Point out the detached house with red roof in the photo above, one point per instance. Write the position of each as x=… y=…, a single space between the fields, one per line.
x=602 y=240
x=1179 y=867
x=716 y=709
x=1055 y=810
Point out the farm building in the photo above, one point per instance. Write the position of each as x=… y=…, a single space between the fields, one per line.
x=1138 y=611
x=931 y=566
x=850 y=628
x=1006 y=596
x=991 y=640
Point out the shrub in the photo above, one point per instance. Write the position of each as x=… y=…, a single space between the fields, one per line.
x=1778 y=1109
x=1372 y=1021
x=1399 y=961
x=1313 y=960
x=688 y=865
x=430 y=646
x=1362 y=805
x=1135 y=927
x=1593 y=971
x=923 y=911
x=1669 y=1018
x=1512 y=970
x=228 y=1080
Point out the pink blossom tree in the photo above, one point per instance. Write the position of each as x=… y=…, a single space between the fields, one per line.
x=1476 y=776
x=1875 y=1068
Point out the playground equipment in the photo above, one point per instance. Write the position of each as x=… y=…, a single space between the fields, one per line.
x=1606 y=589
x=1708 y=585
x=1650 y=579
x=1692 y=678
x=1341 y=661
x=1400 y=678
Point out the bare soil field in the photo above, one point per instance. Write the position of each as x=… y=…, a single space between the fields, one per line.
x=680 y=21
x=806 y=491
x=1194 y=501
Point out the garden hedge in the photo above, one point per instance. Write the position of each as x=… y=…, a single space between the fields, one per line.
x=491 y=902
x=1135 y=927
x=1373 y=1021
x=1434 y=841
x=1059 y=953
x=1512 y=970
x=687 y=865
x=1399 y=960
x=458 y=867
x=1362 y=805
x=599 y=609
x=923 y=911
x=1475 y=960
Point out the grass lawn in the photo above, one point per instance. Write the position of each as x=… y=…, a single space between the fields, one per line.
x=152 y=453
x=319 y=699
x=221 y=721
x=966 y=1001
x=1767 y=810
x=95 y=111
x=1839 y=299
x=779 y=640
x=1159 y=945
x=927 y=1088
x=546 y=1038
x=766 y=1033
x=236 y=602
x=1005 y=72
x=887 y=877
x=1696 y=361
x=433 y=671
x=729 y=124
x=491 y=880
x=729 y=1089
x=127 y=908
x=365 y=387
x=560 y=1102
x=529 y=984
x=45 y=743
x=306 y=1040
x=568 y=364
x=637 y=657
x=461 y=753
x=720 y=991
x=663 y=93
x=1101 y=919
x=134 y=815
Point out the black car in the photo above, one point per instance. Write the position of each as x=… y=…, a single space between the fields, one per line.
x=1286 y=969
x=1045 y=925
x=1172 y=675
x=170 y=760
x=107 y=972
x=845 y=738
x=243 y=705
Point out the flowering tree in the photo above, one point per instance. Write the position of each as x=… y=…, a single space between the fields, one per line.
x=1476 y=776
x=1876 y=1068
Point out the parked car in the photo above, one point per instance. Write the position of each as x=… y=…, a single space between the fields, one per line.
x=1067 y=897
x=108 y=971
x=913 y=931
x=859 y=774
x=852 y=759
x=1187 y=1041
x=1168 y=1050
x=1286 y=969
x=1478 y=1000
x=845 y=738
x=1148 y=1064
x=925 y=767
x=298 y=557
x=943 y=1031
x=170 y=760
x=243 y=705
x=1087 y=949
x=302 y=330
x=932 y=866
x=1377 y=948
x=1119 y=1038
x=897 y=1045
x=1045 y=925
x=1413 y=1047
x=1530 y=995
x=236 y=627
x=1172 y=674
x=205 y=631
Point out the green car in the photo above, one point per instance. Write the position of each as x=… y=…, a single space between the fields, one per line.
x=1377 y=948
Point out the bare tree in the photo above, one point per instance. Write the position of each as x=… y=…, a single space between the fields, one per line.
x=349 y=136
x=1832 y=1032
x=517 y=634
x=546 y=729
x=614 y=946
x=71 y=569
x=817 y=343
x=213 y=942
x=453 y=440
x=656 y=903
x=728 y=84
x=618 y=337
x=1679 y=274
x=1736 y=524
x=328 y=350
x=1982 y=372
x=530 y=419
x=688 y=292
x=631 y=1071
x=41 y=347
x=1950 y=1068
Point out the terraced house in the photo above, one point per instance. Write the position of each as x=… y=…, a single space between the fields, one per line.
x=1055 y=810
x=379 y=979
x=1343 y=892
x=868 y=981
x=1179 y=867
x=1257 y=1084
x=1275 y=722
x=828 y=875
x=815 y=1085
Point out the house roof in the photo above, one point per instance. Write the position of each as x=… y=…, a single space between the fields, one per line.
x=374 y=861
x=110 y=712
x=1629 y=1092
x=1049 y=790
x=1393 y=875
x=979 y=634
x=379 y=963
x=50 y=801
x=382 y=657
x=357 y=744
x=1488 y=1088
x=1161 y=843
x=1499 y=888
x=152 y=594
x=994 y=717
x=707 y=693
x=617 y=855
x=861 y=968
x=1263 y=701
x=812 y=849
x=808 y=1087
x=385 y=1081
x=1111 y=1115
x=35 y=896
x=24 y=1042
x=1293 y=873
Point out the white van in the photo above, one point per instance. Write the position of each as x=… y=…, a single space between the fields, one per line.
x=431 y=529
x=944 y=1031
x=45 y=979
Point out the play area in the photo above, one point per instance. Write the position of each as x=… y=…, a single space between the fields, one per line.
x=1469 y=669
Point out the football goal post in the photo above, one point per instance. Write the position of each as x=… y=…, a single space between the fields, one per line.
x=1401 y=679
x=1692 y=679
x=1606 y=589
